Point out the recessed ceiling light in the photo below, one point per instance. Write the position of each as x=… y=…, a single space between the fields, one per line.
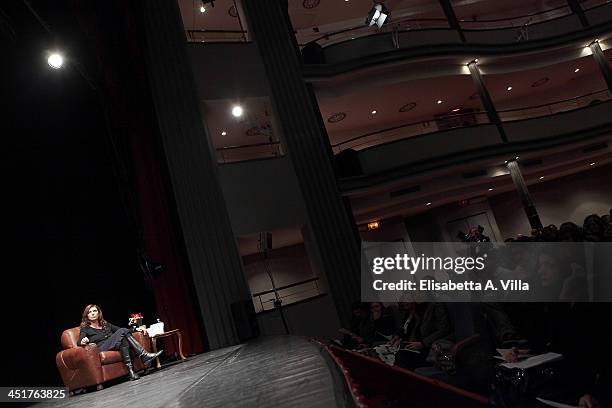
x=428 y=203
x=491 y=189
x=516 y=158
x=55 y=60
x=592 y=164
x=541 y=177
x=439 y=101
x=202 y=9
x=509 y=88
x=374 y=112
x=223 y=133
x=505 y=161
x=237 y=111
x=456 y=109
x=576 y=70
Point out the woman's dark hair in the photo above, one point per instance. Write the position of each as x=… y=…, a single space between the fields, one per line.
x=85 y=320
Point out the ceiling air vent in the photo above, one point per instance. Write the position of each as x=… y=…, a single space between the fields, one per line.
x=473 y=174
x=403 y=191
x=594 y=148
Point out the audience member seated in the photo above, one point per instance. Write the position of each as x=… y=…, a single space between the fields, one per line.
x=380 y=327
x=423 y=324
x=352 y=336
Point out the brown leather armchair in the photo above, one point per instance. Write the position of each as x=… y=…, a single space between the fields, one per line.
x=82 y=367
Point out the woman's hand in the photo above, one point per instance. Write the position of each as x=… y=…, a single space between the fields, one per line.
x=510 y=356
x=415 y=345
x=395 y=341
x=84 y=341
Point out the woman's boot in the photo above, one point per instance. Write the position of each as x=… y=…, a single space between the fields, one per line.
x=144 y=355
x=127 y=360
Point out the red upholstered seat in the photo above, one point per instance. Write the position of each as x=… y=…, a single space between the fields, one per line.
x=363 y=372
x=82 y=367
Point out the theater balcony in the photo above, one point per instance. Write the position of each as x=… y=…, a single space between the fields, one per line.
x=341 y=42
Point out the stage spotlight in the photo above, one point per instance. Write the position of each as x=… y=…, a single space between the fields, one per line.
x=377 y=15
x=55 y=60
x=237 y=111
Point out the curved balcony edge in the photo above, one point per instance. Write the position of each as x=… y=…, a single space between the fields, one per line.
x=388 y=54
x=384 y=163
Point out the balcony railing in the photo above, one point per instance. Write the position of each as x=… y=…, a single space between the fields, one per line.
x=408 y=24
x=215 y=36
x=534 y=111
x=444 y=122
x=253 y=151
x=288 y=294
x=515 y=21
x=402 y=131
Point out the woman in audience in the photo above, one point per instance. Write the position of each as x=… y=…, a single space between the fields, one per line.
x=379 y=328
x=359 y=318
x=424 y=323
x=106 y=336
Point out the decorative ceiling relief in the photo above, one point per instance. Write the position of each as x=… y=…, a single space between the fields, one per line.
x=408 y=107
x=310 y=4
x=337 y=117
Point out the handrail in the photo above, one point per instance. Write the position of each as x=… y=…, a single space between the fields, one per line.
x=552 y=103
x=190 y=34
x=405 y=125
x=495 y=20
x=364 y=27
x=466 y=21
x=219 y=149
x=285 y=287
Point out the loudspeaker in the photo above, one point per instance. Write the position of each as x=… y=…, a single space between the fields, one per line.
x=348 y=163
x=245 y=320
x=312 y=53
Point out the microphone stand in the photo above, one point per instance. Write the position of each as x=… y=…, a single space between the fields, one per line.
x=278 y=303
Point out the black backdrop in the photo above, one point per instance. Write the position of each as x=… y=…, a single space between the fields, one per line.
x=70 y=239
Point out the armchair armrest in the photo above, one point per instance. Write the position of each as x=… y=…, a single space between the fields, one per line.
x=79 y=366
x=143 y=339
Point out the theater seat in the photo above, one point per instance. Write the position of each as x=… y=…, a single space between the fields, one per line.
x=82 y=367
x=371 y=381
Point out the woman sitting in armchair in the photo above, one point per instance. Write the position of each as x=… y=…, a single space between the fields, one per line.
x=97 y=331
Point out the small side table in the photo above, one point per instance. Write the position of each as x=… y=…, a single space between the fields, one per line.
x=175 y=333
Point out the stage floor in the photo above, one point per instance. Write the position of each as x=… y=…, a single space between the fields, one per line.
x=279 y=371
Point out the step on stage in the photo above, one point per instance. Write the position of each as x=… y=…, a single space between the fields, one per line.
x=280 y=371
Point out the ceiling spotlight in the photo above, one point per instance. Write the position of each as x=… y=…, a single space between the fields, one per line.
x=576 y=70
x=237 y=111
x=223 y=133
x=592 y=164
x=439 y=101
x=541 y=177
x=428 y=203
x=456 y=109
x=377 y=15
x=505 y=161
x=55 y=60
x=509 y=88
x=374 y=112
x=202 y=9
x=491 y=189
x=516 y=158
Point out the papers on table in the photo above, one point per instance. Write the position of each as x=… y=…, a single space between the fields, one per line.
x=555 y=404
x=535 y=361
